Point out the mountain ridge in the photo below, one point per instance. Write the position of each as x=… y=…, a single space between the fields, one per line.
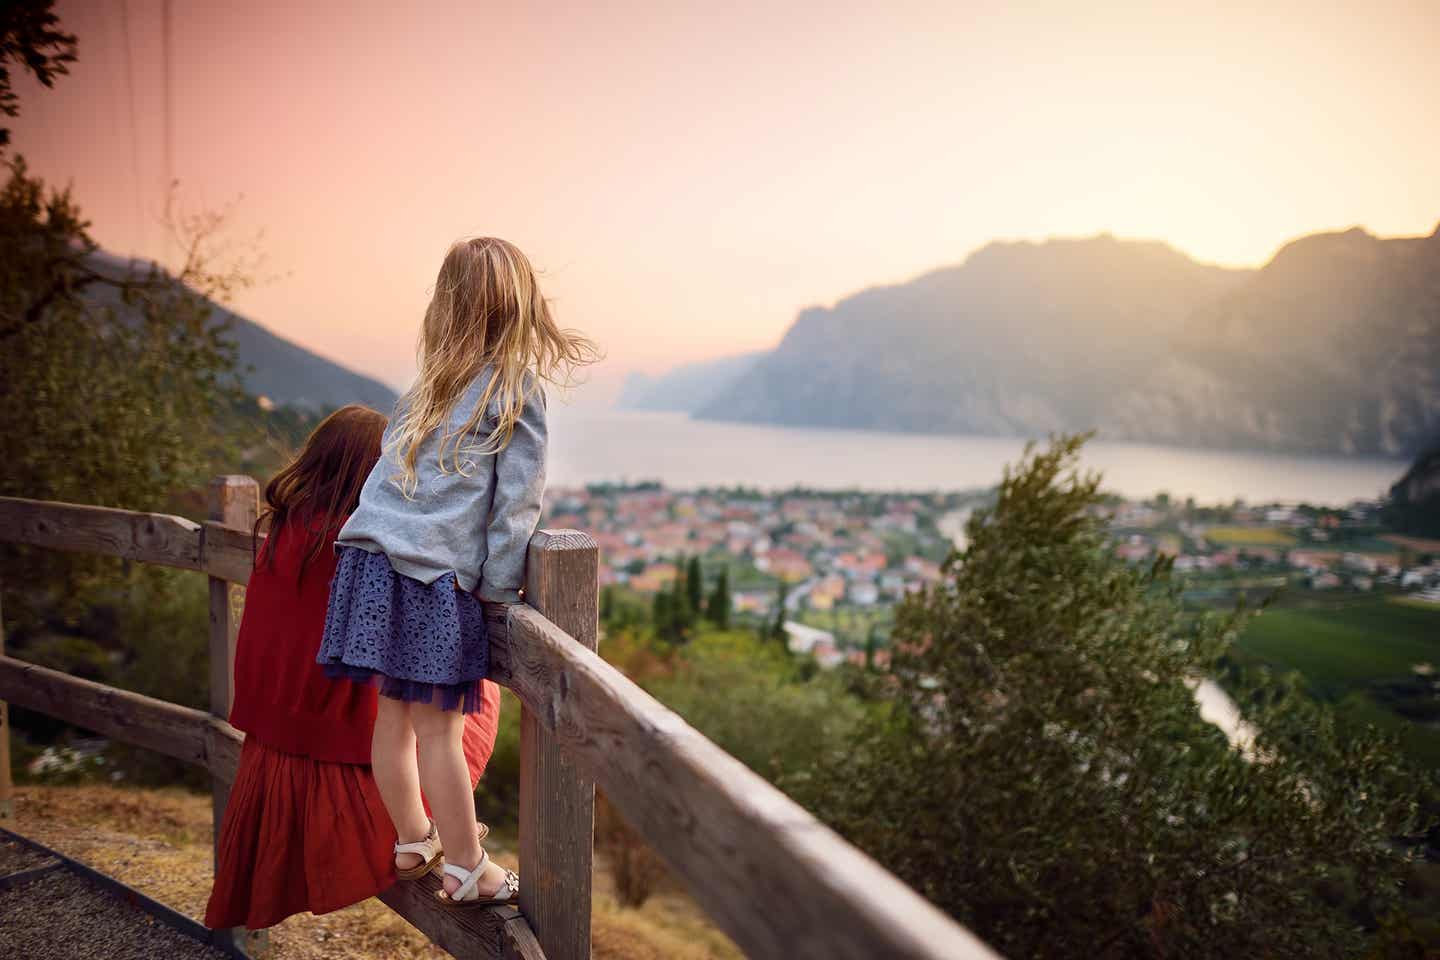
x=270 y=365
x=1333 y=346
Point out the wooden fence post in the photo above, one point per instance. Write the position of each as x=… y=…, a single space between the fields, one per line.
x=7 y=787
x=235 y=502
x=557 y=802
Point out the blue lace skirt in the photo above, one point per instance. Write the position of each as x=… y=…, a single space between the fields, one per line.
x=415 y=642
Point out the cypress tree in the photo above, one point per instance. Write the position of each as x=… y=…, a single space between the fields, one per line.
x=777 y=628
x=682 y=613
x=695 y=585
x=718 y=612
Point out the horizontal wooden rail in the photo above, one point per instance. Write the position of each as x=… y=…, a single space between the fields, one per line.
x=211 y=547
x=224 y=552
x=481 y=934
x=196 y=737
x=180 y=732
x=779 y=882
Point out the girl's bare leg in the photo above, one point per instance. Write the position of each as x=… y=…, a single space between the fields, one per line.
x=392 y=761
x=446 y=780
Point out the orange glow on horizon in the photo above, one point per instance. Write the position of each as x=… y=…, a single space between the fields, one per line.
x=690 y=179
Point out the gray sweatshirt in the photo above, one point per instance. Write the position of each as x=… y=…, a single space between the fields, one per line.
x=478 y=525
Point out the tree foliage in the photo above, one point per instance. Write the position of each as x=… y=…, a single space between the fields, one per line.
x=717 y=610
x=1044 y=774
x=672 y=611
x=695 y=585
x=107 y=377
x=30 y=37
x=117 y=387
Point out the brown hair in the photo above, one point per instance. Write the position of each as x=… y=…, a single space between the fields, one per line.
x=321 y=486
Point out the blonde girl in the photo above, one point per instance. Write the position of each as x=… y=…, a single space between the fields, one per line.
x=436 y=549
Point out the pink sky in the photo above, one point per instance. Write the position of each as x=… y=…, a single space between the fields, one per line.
x=689 y=175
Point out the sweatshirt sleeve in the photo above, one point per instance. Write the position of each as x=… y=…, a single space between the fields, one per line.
x=515 y=508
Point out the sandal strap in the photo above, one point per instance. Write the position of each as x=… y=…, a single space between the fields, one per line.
x=421 y=848
x=467 y=878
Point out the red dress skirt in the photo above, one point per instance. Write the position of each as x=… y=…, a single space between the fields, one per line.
x=304 y=828
x=302 y=834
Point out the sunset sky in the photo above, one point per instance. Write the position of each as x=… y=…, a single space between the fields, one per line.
x=688 y=175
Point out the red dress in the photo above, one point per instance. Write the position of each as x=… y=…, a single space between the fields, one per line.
x=304 y=826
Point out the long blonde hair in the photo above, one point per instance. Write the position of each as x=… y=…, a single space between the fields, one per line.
x=487 y=308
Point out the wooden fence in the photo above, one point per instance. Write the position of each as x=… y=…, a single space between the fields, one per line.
x=768 y=873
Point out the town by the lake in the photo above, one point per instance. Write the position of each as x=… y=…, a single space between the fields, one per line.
x=841 y=560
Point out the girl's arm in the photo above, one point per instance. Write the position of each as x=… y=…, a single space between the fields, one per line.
x=515 y=509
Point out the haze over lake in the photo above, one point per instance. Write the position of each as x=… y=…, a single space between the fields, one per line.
x=591 y=445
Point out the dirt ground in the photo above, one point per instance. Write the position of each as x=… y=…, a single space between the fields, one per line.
x=159 y=842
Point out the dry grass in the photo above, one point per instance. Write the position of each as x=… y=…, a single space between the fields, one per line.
x=158 y=841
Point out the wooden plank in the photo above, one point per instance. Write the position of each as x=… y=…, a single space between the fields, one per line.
x=234 y=501
x=168 y=728
x=557 y=799
x=7 y=785
x=227 y=552
x=148 y=537
x=478 y=934
x=517 y=942
x=779 y=882
x=22 y=877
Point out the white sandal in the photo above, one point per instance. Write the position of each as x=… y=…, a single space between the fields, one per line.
x=467 y=896
x=428 y=850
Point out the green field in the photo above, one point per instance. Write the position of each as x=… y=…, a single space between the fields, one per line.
x=1251 y=536
x=1348 y=651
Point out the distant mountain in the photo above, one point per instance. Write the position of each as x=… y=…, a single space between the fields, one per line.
x=1332 y=347
x=274 y=367
x=287 y=373
x=686 y=388
x=1414 y=505
x=1020 y=338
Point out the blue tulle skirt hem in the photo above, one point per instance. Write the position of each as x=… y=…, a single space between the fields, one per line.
x=450 y=696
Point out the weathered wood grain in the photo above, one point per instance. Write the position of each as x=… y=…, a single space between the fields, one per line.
x=227 y=552
x=168 y=728
x=148 y=537
x=480 y=934
x=7 y=785
x=518 y=942
x=234 y=502
x=773 y=877
x=221 y=549
x=557 y=799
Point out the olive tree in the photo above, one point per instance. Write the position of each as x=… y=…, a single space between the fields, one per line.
x=1043 y=773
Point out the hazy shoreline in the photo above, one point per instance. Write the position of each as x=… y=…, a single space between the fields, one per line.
x=592 y=445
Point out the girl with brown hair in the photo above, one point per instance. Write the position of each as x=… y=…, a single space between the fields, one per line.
x=305 y=828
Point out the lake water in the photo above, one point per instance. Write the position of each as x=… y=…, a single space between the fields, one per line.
x=591 y=445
